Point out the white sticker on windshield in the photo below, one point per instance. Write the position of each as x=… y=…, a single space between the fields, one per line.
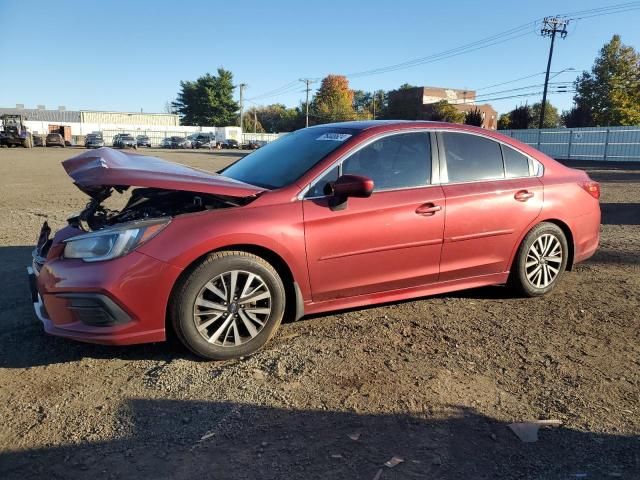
x=335 y=137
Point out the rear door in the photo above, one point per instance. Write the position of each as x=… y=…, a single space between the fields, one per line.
x=492 y=195
x=388 y=241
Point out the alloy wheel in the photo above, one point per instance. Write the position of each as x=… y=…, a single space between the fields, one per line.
x=232 y=308
x=544 y=260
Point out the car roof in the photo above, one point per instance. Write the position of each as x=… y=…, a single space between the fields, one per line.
x=381 y=124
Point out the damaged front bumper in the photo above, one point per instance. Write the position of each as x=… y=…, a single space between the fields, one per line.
x=116 y=302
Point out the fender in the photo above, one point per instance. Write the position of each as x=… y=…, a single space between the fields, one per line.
x=278 y=228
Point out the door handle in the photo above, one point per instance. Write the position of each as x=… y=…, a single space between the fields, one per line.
x=523 y=195
x=428 y=209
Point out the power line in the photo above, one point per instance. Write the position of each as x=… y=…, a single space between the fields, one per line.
x=523 y=95
x=507 y=36
x=502 y=37
x=276 y=91
x=600 y=11
x=537 y=85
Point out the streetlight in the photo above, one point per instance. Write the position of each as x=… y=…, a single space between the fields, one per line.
x=570 y=69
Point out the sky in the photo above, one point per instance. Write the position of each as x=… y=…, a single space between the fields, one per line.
x=132 y=55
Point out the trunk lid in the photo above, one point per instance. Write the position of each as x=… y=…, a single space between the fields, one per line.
x=97 y=171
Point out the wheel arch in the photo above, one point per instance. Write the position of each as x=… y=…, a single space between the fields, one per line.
x=570 y=241
x=294 y=308
x=567 y=233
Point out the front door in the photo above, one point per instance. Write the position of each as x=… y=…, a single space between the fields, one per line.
x=389 y=241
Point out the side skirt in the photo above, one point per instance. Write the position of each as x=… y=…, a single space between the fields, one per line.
x=406 y=293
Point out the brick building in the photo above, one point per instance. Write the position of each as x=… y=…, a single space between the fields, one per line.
x=412 y=103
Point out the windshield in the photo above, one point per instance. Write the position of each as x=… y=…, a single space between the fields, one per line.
x=282 y=162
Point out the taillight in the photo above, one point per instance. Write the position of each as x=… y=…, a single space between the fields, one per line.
x=592 y=188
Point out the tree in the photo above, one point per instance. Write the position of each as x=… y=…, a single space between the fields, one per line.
x=610 y=93
x=551 y=116
x=520 y=117
x=277 y=118
x=578 y=116
x=504 y=122
x=474 y=117
x=208 y=101
x=334 y=100
x=443 y=111
x=249 y=121
x=404 y=103
x=380 y=103
x=363 y=104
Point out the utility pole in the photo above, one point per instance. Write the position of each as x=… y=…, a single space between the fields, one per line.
x=550 y=28
x=255 y=122
x=242 y=87
x=307 y=82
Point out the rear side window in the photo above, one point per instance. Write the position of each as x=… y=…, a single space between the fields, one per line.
x=395 y=161
x=515 y=164
x=472 y=158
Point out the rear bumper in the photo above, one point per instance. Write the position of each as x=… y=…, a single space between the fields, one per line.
x=586 y=235
x=117 y=302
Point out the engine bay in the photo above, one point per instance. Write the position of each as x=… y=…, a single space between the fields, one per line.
x=146 y=203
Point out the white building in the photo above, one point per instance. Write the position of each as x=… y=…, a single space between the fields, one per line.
x=74 y=124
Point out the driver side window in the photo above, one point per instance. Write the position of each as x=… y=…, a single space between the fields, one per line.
x=392 y=162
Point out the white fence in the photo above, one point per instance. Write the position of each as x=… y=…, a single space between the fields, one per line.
x=260 y=137
x=616 y=144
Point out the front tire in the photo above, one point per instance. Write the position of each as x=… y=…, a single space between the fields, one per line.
x=541 y=260
x=228 y=306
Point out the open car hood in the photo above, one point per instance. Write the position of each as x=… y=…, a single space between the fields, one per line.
x=98 y=170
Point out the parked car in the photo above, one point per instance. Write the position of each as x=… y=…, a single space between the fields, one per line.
x=165 y=143
x=230 y=143
x=55 y=140
x=329 y=217
x=143 y=141
x=94 y=140
x=204 y=141
x=251 y=145
x=124 y=140
x=179 y=142
x=192 y=138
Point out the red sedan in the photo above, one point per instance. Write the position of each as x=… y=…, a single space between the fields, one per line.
x=325 y=218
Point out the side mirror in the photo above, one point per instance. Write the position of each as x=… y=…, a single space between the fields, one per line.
x=348 y=186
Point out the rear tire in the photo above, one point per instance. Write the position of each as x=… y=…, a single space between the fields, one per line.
x=540 y=261
x=228 y=306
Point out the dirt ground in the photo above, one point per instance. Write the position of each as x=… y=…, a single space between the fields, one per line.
x=434 y=381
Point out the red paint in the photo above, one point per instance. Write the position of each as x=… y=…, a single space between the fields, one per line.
x=391 y=246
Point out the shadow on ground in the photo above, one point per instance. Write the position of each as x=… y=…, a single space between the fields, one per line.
x=620 y=213
x=179 y=439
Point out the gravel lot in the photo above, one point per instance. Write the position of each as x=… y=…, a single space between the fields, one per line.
x=434 y=381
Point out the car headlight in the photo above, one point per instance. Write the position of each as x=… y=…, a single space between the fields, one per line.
x=113 y=242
